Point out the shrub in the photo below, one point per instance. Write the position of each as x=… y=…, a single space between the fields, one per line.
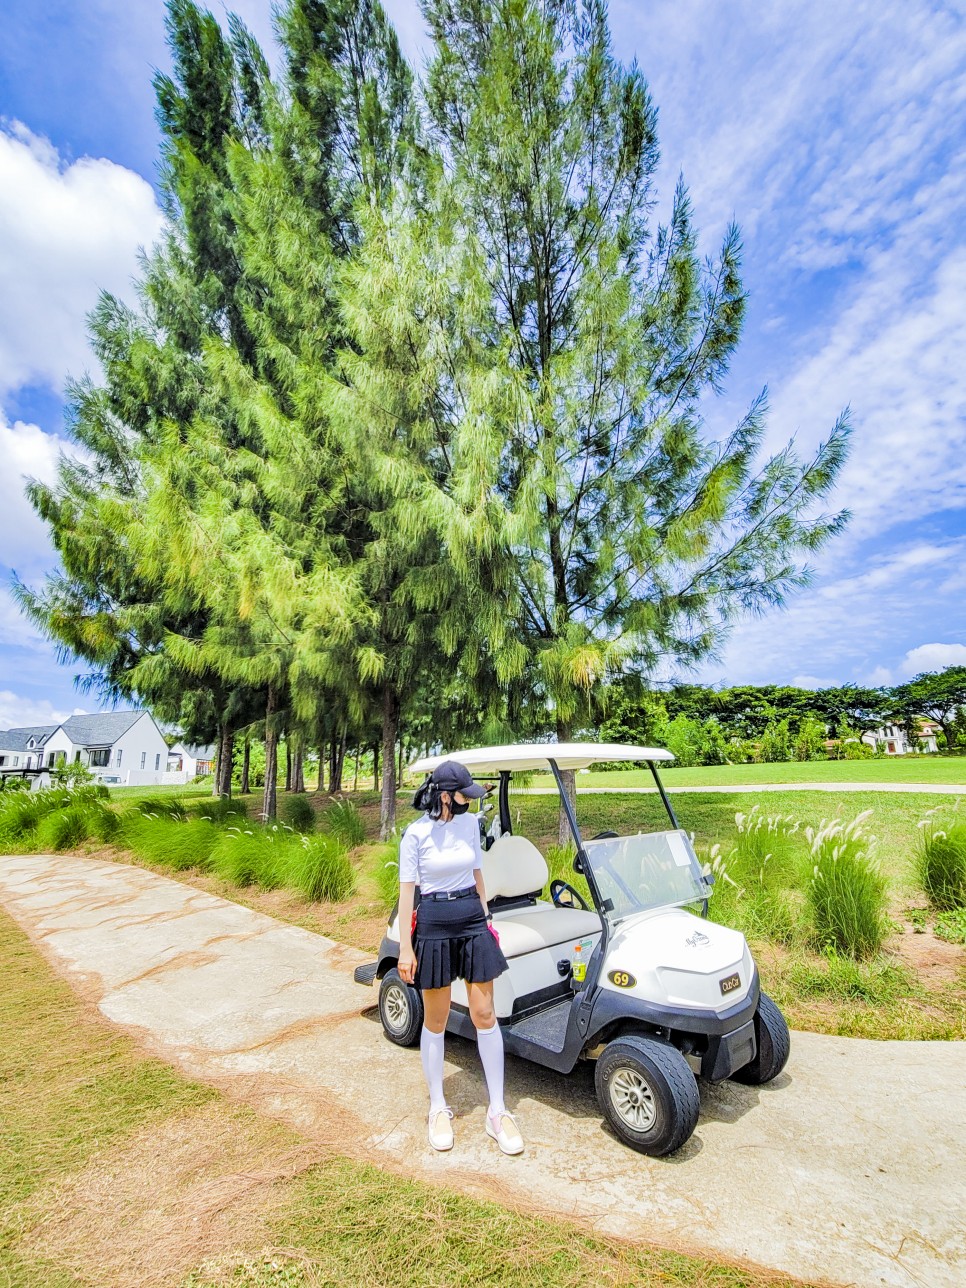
x=170 y=842
x=249 y=857
x=941 y=865
x=65 y=828
x=167 y=806
x=298 y=812
x=753 y=880
x=846 y=893
x=386 y=859
x=345 y=823
x=223 y=809
x=319 y=868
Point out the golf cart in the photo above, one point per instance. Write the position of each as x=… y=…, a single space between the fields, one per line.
x=637 y=981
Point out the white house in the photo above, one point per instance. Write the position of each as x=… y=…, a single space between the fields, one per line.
x=119 y=747
x=192 y=760
x=893 y=740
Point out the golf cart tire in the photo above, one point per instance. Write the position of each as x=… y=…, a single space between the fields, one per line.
x=400 y=1009
x=632 y=1064
x=774 y=1044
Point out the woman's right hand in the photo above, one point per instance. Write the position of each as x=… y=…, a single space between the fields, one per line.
x=407 y=965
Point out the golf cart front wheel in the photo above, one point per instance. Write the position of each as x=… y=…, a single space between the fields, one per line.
x=774 y=1044
x=400 y=1009
x=648 y=1094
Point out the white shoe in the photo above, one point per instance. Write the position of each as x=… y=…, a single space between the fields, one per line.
x=440 y=1128
x=504 y=1131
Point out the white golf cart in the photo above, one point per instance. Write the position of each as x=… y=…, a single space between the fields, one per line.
x=637 y=982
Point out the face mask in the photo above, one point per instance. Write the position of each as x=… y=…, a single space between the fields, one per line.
x=457 y=808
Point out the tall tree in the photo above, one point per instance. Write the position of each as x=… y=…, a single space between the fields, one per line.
x=588 y=339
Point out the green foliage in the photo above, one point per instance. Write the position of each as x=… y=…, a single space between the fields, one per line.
x=343 y=820
x=297 y=811
x=385 y=859
x=221 y=809
x=255 y=855
x=776 y=742
x=878 y=983
x=941 y=864
x=560 y=863
x=64 y=828
x=951 y=926
x=755 y=879
x=846 y=893
x=169 y=841
x=810 y=740
x=319 y=868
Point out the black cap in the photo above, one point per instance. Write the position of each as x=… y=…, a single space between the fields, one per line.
x=451 y=776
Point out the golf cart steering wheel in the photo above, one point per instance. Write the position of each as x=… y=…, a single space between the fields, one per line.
x=557 y=888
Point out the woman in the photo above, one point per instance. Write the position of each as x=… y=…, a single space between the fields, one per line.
x=454 y=939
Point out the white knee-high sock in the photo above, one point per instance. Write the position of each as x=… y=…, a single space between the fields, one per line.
x=431 y=1049
x=490 y=1042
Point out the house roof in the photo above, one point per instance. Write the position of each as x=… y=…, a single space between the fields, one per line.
x=197 y=752
x=101 y=729
x=17 y=739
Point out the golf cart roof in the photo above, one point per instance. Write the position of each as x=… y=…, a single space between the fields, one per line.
x=537 y=755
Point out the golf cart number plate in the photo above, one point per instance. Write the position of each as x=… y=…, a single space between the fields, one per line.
x=729 y=984
x=622 y=979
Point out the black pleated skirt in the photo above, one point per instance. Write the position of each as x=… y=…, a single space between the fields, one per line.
x=453 y=941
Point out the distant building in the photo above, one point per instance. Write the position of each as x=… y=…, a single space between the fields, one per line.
x=118 y=747
x=894 y=741
x=186 y=757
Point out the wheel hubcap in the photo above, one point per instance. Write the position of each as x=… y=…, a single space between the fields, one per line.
x=396 y=1008
x=633 y=1099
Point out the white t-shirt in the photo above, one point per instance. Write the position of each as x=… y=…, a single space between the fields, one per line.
x=441 y=856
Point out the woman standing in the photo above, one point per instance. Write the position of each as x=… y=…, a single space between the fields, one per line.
x=454 y=939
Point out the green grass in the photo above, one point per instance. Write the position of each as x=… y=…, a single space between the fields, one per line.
x=895 y=769
x=941 y=863
x=845 y=891
x=73 y=1089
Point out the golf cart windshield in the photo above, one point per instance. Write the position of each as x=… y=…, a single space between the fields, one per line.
x=652 y=870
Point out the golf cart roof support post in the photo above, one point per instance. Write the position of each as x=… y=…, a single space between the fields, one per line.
x=588 y=993
x=503 y=797
x=664 y=797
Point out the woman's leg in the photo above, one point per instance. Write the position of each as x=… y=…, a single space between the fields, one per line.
x=489 y=1039
x=435 y=1014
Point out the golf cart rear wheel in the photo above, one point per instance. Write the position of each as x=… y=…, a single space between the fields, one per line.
x=400 y=1009
x=648 y=1094
x=774 y=1044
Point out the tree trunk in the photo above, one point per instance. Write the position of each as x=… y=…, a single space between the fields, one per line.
x=564 y=834
x=269 y=799
x=375 y=766
x=320 y=786
x=288 y=762
x=223 y=759
x=298 y=764
x=244 y=788
x=402 y=758
x=338 y=764
x=355 y=777
x=390 y=725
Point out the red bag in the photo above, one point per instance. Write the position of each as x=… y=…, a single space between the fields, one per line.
x=412 y=930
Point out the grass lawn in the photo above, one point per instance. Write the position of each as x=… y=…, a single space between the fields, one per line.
x=116 y=1170
x=897 y=769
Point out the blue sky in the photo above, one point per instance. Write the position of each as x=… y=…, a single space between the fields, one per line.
x=833 y=133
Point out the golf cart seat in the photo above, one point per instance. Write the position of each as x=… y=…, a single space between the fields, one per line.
x=513 y=869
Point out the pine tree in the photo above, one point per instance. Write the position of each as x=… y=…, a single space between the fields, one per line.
x=589 y=338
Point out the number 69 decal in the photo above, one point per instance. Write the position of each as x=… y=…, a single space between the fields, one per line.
x=622 y=979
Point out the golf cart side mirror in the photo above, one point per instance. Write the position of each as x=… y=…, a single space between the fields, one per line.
x=709 y=878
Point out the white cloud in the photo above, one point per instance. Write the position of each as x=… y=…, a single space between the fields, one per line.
x=17 y=712
x=66 y=232
x=25 y=451
x=931 y=657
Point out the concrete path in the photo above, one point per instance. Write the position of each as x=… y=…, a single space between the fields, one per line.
x=849 y=1168
x=938 y=789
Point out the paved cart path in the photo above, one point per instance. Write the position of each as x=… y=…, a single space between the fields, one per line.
x=849 y=1168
